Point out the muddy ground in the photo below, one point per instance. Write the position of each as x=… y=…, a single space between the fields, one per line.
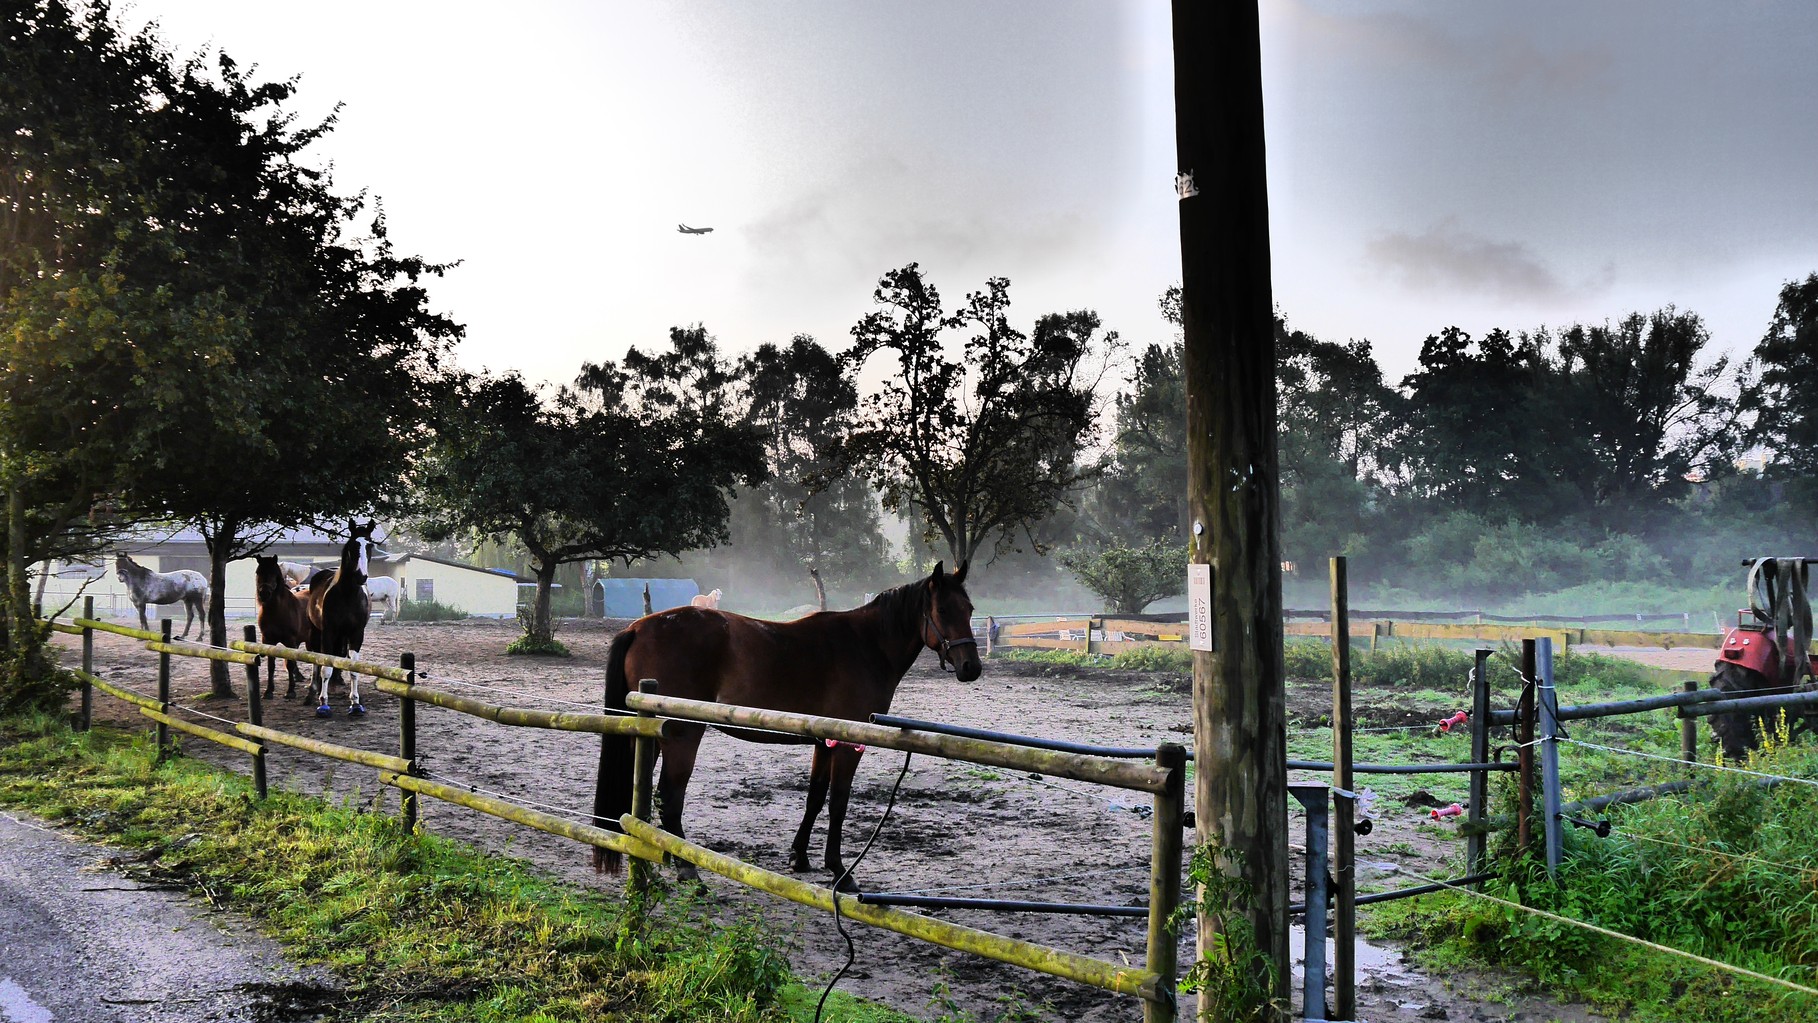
x=973 y=831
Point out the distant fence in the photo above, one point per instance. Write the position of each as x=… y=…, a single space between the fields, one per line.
x=654 y=716
x=1109 y=634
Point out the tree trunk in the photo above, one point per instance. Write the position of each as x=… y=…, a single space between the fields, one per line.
x=220 y=684
x=26 y=666
x=539 y=616
x=820 y=588
x=1239 y=712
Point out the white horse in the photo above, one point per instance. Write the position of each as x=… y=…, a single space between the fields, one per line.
x=149 y=587
x=295 y=574
x=384 y=591
x=711 y=600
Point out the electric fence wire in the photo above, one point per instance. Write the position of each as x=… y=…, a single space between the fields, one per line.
x=481 y=790
x=1025 y=883
x=1716 y=964
x=1708 y=851
x=839 y=922
x=1692 y=763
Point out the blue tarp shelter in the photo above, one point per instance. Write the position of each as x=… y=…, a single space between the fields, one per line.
x=624 y=598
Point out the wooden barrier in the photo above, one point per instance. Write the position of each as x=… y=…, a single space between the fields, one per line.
x=182 y=649
x=605 y=724
x=333 y=751
x=204 y=732
x=118 y=693
x=1121 y=774
x=1095 y=972
x=118 y=630
x=586 y=834
x=306 y=657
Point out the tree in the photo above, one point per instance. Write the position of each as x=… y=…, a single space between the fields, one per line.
x=1653 y=416
x=813 y=512
x=1784 y=400
x=1130 y=578
x=627 y=464
x=984 y=447
x=1144 y=492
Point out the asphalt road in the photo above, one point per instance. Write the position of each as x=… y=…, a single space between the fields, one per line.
x=82 y=943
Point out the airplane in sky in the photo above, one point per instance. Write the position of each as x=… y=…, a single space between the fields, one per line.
x=685 y=229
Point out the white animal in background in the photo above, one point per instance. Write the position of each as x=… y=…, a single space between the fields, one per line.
x=295 y=574
x=711 y=600
x=384 y=593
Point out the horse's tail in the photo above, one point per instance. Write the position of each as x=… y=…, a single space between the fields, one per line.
x=612 y=793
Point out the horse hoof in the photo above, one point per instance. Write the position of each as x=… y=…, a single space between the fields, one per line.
x=800 y=865
x=846 y=884
x=325 y=711
x=357 y=709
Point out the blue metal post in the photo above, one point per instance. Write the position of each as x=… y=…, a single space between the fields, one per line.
x=1547 y=703
x=1314 y=799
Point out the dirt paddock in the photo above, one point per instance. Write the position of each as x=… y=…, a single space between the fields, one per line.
x=969 y=830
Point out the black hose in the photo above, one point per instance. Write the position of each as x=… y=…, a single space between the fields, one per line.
x=839 y=922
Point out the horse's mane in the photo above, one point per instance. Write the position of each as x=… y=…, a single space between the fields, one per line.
x=904 y=603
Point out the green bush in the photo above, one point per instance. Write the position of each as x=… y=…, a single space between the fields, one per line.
x=532 y=646
x=430 y=611
x=1155 y=658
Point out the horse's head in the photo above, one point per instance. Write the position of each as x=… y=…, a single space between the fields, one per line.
x=268 y=577
x=121 y=564
x=356 y=553
x=947 y=624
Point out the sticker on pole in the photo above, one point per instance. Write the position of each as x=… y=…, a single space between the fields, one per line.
x=1199 y=607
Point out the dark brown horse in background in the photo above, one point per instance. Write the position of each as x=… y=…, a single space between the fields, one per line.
x=338 y=612
x=283 y=621
x=843 y=664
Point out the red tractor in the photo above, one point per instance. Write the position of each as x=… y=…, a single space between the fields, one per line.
x=1768 y=651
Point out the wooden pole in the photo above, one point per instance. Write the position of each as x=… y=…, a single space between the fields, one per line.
x=255 y=713
x=1164 y=883
x=1228 y=328
x=164 y=685
x=1479 y=815
x=407 y=742
x=643 y=777
x=88 y=664
x=1524 y=735
x=1688 y=730
x=1344 y=803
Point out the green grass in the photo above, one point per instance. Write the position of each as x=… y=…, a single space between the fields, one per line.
x=429 y=611
x=416 y=927
x=530 y=646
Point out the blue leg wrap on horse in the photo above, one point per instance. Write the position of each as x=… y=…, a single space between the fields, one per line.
x=325 y=711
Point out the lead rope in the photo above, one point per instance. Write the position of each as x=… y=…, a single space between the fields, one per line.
x=839 y=922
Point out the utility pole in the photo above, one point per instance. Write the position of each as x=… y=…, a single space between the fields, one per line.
x=1228 y=320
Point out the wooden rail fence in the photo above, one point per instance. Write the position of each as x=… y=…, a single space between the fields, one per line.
x=656 y=716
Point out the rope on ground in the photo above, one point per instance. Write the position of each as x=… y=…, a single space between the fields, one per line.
x=1692 y=763
x=1708 y=851
x=1715 y=964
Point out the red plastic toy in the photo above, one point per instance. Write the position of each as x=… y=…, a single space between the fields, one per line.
x=1443 y=812
x=1455 y=721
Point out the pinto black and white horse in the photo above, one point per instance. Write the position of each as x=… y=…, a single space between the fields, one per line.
x=149 y=587
x=338 y=611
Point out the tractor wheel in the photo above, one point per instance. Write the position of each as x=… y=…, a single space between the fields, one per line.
x=1737 y=732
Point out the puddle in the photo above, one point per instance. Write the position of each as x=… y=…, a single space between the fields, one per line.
x=1374 y=962
x=17 y=1007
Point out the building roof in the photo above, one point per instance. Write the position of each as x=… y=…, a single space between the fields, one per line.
x=398 y=559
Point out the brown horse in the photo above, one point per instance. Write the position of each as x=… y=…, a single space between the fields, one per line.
x=338 y=612
x=283 y=621
x=843 y=664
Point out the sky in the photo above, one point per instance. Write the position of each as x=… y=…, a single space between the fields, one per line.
x=1430 y=164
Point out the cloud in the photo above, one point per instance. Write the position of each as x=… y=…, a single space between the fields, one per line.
x=1446 y=259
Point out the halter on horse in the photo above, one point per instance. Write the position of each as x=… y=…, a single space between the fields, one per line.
x=843 y=664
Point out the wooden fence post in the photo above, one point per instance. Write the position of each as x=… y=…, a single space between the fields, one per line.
x=164 y=687
x=88 y=663
x=1475 y=839
x=1344 y=802
x=643 y=774
x=1688 y=730
x=255 y=711
x=990 y=634
x=1524 y=736
x=1164 y=883
x=407 y=742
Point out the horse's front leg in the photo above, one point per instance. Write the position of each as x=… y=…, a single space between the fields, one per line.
x=819 y=768
x=845 y=758
x=143 y=623
x=323 y=710
x=354 y=706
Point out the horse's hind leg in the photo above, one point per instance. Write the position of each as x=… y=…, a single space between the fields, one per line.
x=845 y=759
x=354 y=706
x=321 y=685
x=672 y=788
x=819 y=770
